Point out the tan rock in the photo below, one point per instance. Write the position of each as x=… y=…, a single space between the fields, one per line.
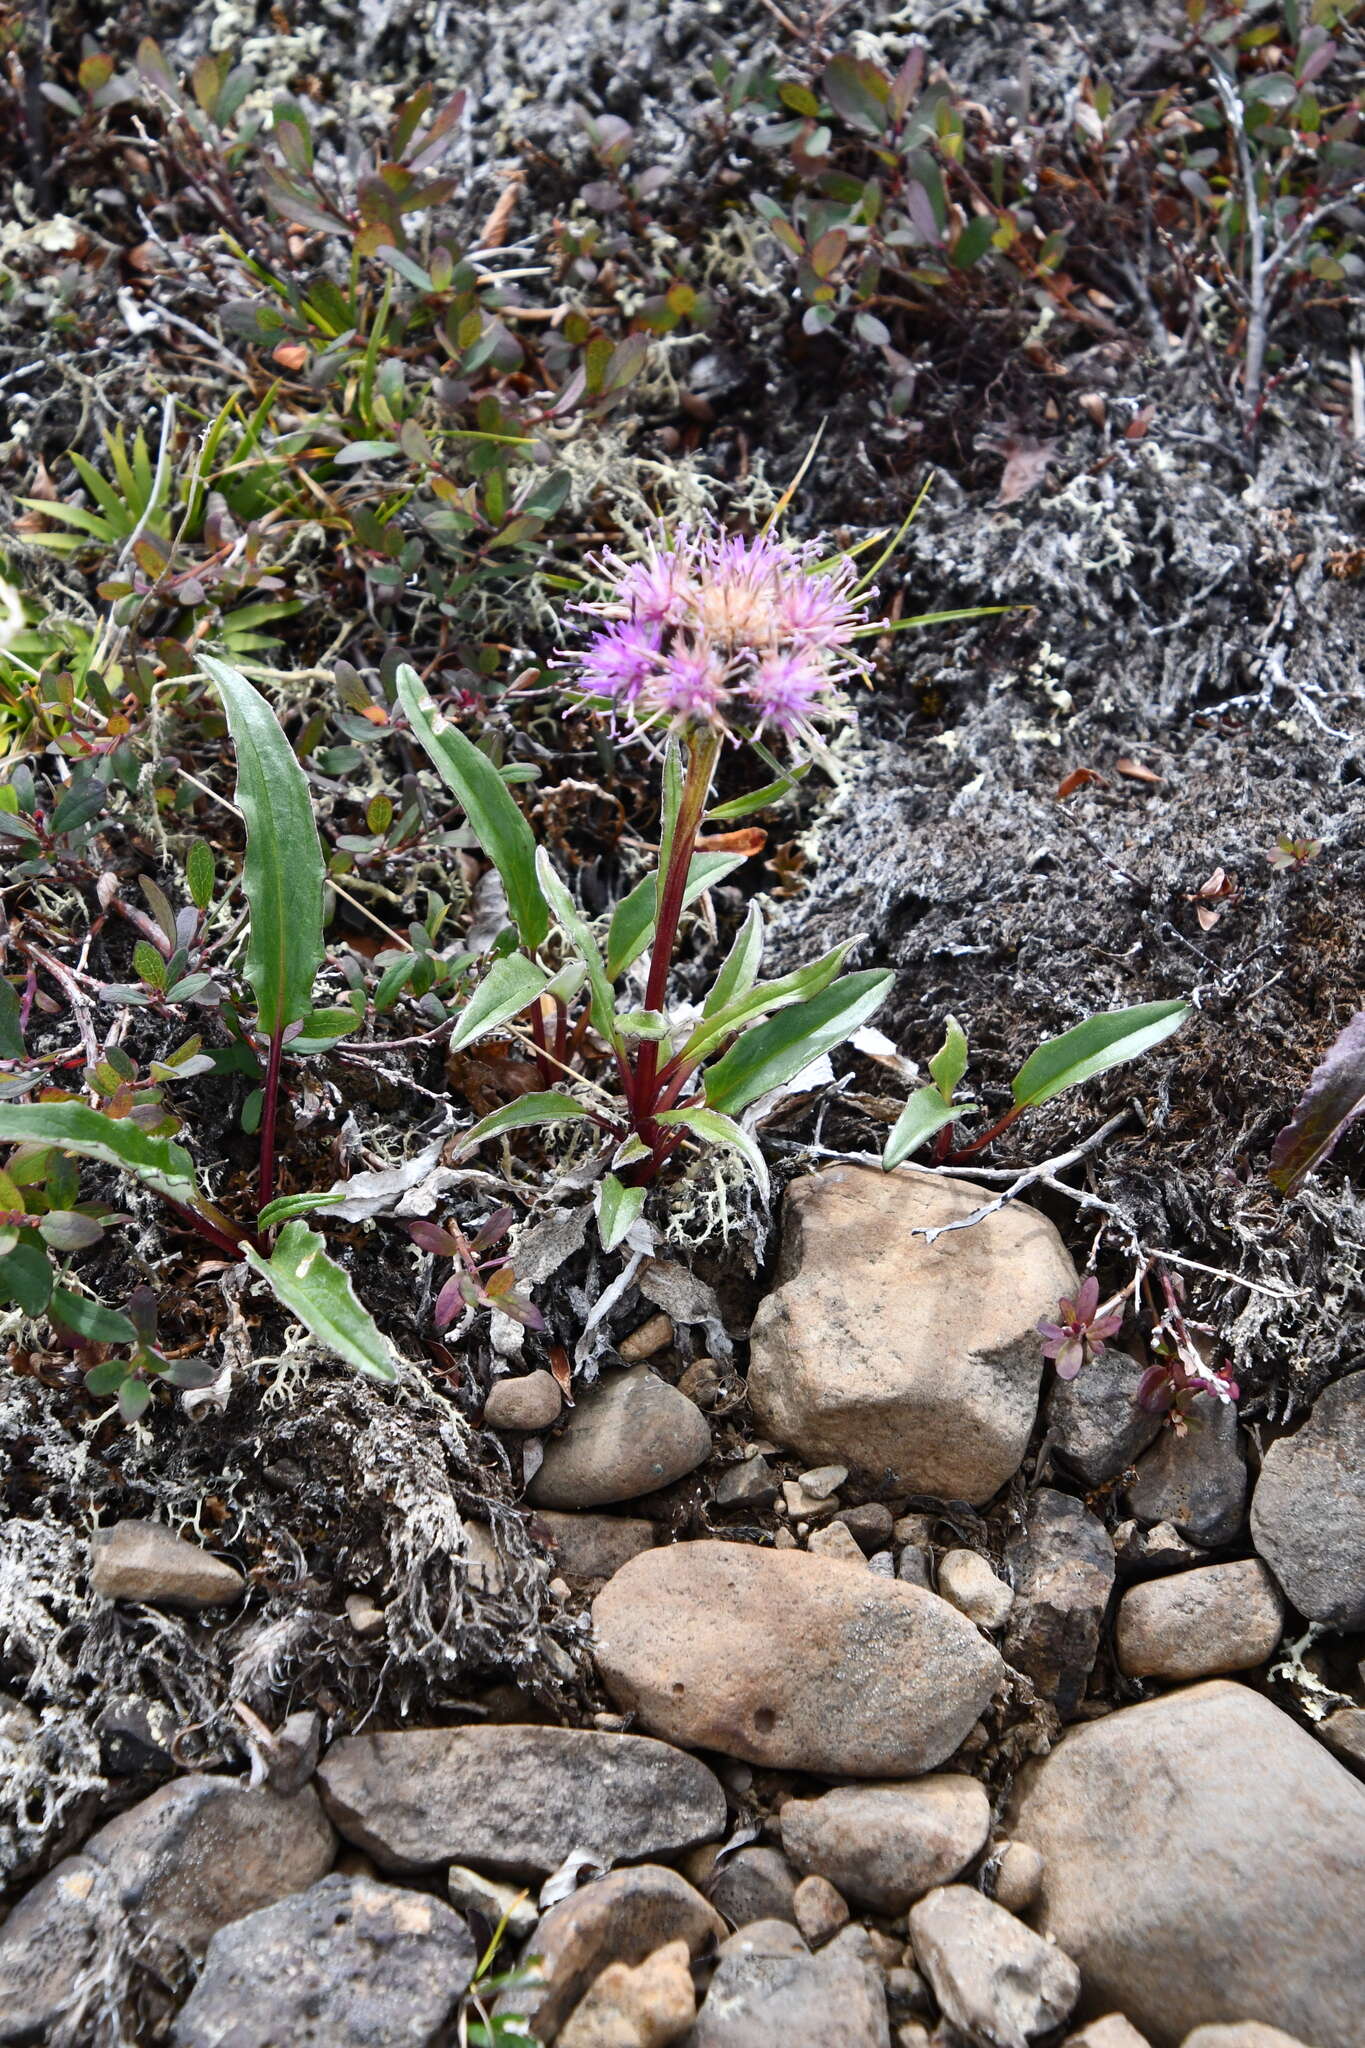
x=649 y=2006
x=651 y=1336
x=588 y=1548
x=1221 y=1617
x=630 y=1434
x=1018 y=1876
x=1240 y=2034
x=966 y=1578
x=820 y=1910
x=886 y=1845
x=144 y=1561
x=621 y=1918
x=532 y=1401
x=839 y=1543
x=790 y=1660
x=1112 y=2031
x=1203 y=1856
x=995 y=1979
x=896 y=1356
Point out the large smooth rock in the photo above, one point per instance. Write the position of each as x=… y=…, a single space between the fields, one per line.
x=197 y=1854
x=1204 y=1860
x=144 y=1561
x=1197 y=1481
x=1242 y=2034
x=1308 y=1513
x=759 y=1999
x=905 y=1360
x=886 y=1845
x=347 y=1964
x=630 y=1434
x=517 y=1800
x=1062 y=1564
x=994 y=1978
x=790 y=1660
x=621 y=1918
x=1222 y=1617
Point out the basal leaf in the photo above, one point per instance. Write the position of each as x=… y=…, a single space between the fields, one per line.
x=510 y=986
x=721 y=1130
x=285 y=1207
x=632 y=921
x=547 y=1107
x=315 y=1289
x=1335 y=1095
x=1093 y=1047
x=498 y=825
x=773 y=1053
x=617 y=1208
x=924 y=1115
x=282 y=873
x=158 y=1163
x=11 y=1038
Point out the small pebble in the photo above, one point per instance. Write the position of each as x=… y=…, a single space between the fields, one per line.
x=913 y=1566
x=823 y=1479
x=651 y=1336
x=1018 y=1876
x=365 y=1618
x=967 y=1580
x=748 y=1484
x=531 y=1402
x=837 y=1541
x=803 y=1505
x=871 y=1524
x=820 y=1910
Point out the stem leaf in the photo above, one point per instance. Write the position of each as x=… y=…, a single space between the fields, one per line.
x=923 y=1116
x=510 y=985
x=282 y=873
x=716 y=1129
x=773 y=1053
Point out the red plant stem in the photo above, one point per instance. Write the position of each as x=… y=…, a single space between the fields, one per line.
x=561 y=1030
x=266 y=1185
x=548 y=1073
x=703 y=753
x=220 y=1232
x=978 y=1144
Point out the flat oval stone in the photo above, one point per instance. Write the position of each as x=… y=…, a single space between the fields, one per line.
x=791 y=1660
x=516 y=1799
x=630 y=1434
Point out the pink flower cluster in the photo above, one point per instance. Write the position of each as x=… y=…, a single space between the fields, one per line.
x=719 y=629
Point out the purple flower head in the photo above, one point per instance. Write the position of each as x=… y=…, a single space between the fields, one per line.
x=690 y=685
x=788 y=690
x=708 y=625
x=619 y=661
x=1078 y=1334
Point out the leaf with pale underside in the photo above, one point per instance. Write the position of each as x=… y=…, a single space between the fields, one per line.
x=1335 y=1095
x=314 y=1288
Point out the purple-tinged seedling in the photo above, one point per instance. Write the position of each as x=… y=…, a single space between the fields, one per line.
x=467 y=1287
x=1080 y=1331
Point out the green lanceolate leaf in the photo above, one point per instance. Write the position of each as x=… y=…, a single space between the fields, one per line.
x=545 y=1108
x=90 y=1320
x=773 y=1053
x=949 y=1063
x=758 y=799
x=498 y=825
x=762 y=999
x=316 y=1290
x=283 y=870
x=924 y=1115
x=632 y=921
x=159 y=1164
x=578 y=931
x=740 y=970
x=510 y=986
x=284 y=1207
x=721 y=1130
x=1091 y=1048
x=26 y=1278
x=617 y=1208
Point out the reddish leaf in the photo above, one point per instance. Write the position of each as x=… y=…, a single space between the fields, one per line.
x=1134 y=770
x=1334 y=1096
x=1077 y=779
